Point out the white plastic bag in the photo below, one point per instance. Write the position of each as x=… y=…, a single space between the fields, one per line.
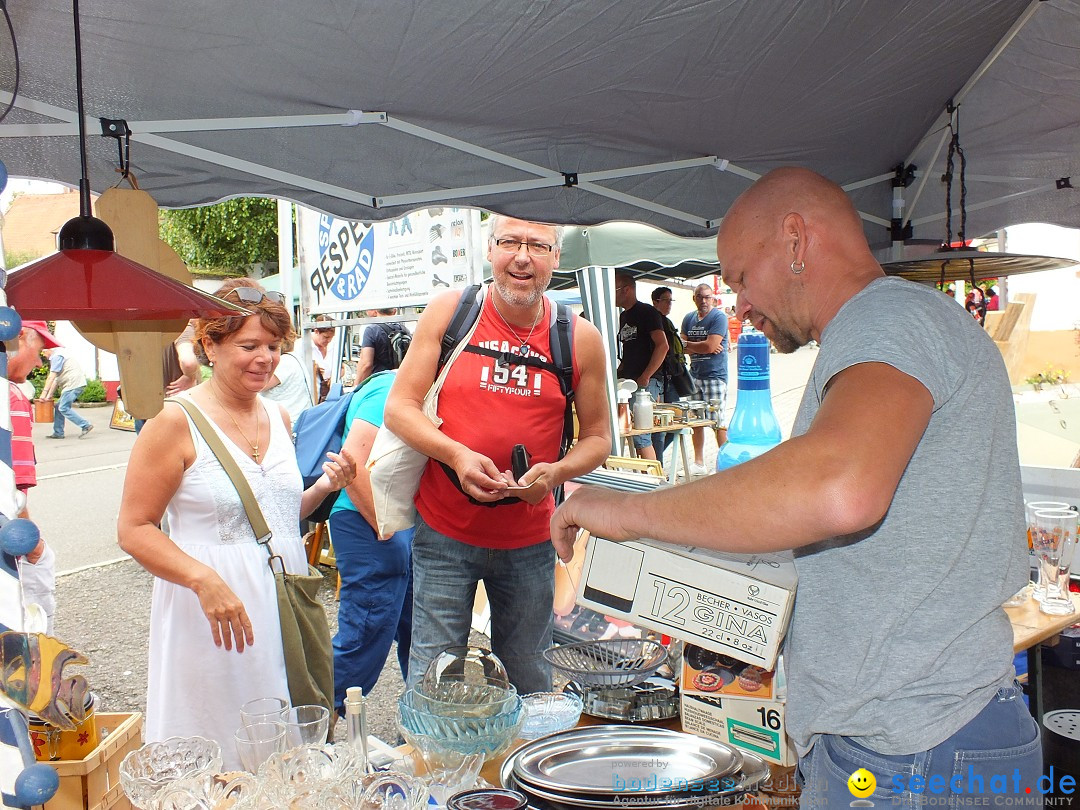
x=395 y=467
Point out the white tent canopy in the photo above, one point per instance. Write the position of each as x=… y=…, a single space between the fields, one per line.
x=560 y=111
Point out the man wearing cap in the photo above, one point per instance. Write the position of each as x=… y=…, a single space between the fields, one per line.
x=66 y=374
x=36 y=569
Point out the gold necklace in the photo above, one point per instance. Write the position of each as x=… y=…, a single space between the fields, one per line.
x=525 y=343
x=258 y=425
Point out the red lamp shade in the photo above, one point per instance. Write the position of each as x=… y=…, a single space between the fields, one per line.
x=101 y=285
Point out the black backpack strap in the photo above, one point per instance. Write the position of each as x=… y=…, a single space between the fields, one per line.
x=465 y=315
x=561 y=339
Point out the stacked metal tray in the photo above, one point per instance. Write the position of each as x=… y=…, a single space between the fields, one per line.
x=615 y=766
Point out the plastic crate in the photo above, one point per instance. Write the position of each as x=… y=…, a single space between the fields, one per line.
x=93 y=783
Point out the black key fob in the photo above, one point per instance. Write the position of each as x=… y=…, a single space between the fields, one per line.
x=519 y=461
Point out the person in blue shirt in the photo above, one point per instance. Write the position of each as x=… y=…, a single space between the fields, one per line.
x=376 y=576
x=705 y=340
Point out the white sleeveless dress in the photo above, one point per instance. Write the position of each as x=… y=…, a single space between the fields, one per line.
x=194 y=687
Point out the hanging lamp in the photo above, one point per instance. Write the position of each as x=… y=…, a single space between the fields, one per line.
x=950 y=263
x=87 y=279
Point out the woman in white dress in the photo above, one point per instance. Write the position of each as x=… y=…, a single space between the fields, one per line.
x=209 y=569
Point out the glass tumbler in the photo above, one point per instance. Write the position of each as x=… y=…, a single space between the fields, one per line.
x=306 y=725
x=1054 y=541
x=256 y=742
x=262 y=710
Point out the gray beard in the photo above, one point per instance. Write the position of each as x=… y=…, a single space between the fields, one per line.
x=515 y=299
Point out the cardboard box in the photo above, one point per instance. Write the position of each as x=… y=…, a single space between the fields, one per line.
x=714 y=674
x=735 y=604
x=756 y=726
x=93 y=783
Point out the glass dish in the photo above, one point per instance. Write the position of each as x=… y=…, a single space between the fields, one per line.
x=549 y=712
x=146 y=771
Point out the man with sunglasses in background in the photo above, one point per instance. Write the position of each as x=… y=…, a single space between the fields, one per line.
x=323 y=354
x=489 y=403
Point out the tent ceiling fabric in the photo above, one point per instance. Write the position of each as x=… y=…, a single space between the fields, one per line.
x=553 y=89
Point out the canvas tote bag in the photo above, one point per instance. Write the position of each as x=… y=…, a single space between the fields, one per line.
x=305 y=633
x=395 y=468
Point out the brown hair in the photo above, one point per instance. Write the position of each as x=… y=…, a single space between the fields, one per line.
x=272 y=315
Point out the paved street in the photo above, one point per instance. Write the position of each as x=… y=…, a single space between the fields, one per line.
x=78 y=492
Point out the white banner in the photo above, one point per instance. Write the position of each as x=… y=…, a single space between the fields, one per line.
x=349 y=266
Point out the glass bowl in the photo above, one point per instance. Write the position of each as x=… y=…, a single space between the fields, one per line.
x=549 y=712
x=466 y=700
x=471 y=665
x=466 y=734
x=144 y=772
x=453 y=749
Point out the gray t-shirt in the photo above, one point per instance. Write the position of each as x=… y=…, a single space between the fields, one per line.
x=898 y=637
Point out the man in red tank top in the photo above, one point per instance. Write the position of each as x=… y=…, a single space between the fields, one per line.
x=480 y=530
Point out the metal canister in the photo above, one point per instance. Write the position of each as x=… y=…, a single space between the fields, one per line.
x=52 y=743
x=487 y=799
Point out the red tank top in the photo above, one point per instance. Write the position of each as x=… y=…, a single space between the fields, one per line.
x=489 y=408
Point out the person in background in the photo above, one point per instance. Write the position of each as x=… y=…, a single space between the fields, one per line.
x=993 y=303
x=975 y=303
x=734 y=326
x=191 y=373
x=215 y=637
x=465 y=533
x=180 y=367
x=289 y=385
x=644 y=347
x=66 y=374
x=323 y=354
x=375 y=608
x=917 y=683
x=375 y=348
x=661 y=300
x=37 y=570
x=705 y=337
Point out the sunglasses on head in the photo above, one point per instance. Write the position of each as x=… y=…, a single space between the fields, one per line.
x=250 y=295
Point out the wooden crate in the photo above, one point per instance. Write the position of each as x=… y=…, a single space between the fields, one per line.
x=93 y=783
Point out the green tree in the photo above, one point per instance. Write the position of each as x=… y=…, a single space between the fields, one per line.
x=230 y=235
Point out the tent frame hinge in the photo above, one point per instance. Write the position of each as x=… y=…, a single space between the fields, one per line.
x=904 y=175
x=900 y=231
x=1063 y=182
x=570 y=179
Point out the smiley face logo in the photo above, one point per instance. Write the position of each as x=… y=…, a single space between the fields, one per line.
x=861 y=783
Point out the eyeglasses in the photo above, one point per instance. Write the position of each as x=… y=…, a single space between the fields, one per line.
x=514 y=245
x=249 y=295
x=704 y=297
x=664 y=300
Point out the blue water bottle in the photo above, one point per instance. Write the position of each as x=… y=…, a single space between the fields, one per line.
x=753 y=428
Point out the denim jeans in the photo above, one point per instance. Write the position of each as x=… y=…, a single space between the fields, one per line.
x=990 y=761
x=64 y=409
x=520 y=586
x=656 y=388
x=376 y=602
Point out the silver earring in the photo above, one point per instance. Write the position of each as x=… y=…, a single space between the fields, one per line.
x=802 y=266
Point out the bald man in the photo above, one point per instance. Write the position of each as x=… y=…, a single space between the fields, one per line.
x=907 y=538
